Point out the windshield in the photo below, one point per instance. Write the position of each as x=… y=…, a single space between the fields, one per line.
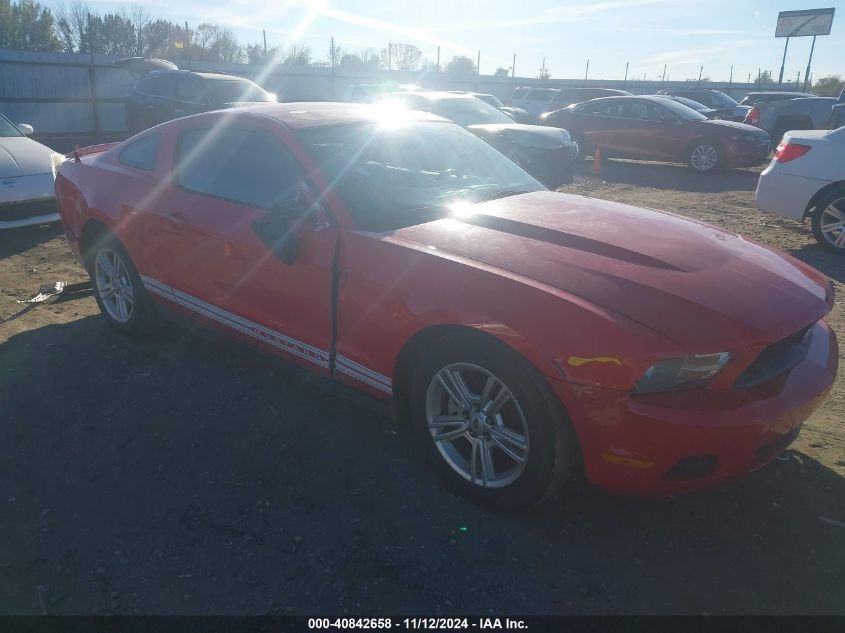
x=400 y=176
x=234 y=90
x=7 y=128
x=681 y=111
x=723 y=100
x=468 y=111
x=490 y=99
x=695 y=105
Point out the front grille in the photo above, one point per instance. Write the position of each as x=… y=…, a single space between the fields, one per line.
x=27 y=209
x=778 y=358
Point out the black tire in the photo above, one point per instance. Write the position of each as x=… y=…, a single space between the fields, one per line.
x=707 y=146
x=835 y=195
x=582 y=150
x=141 y=317
x=551 y=454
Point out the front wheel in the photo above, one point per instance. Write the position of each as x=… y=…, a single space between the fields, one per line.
x=828 y=221
x=489 y=423
x=705 y=157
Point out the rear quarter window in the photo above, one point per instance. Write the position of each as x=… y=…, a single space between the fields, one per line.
x=140 y=154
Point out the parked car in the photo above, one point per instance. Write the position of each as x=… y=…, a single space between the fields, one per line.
x=534 y=101
x=656 y=128
x=837 y=112
x=371 y=91
x=27 y=172
x=568 y=96
x=759 y=97
x=807 y=178
x=161 y=95
x=523 y=334
x=547 y=157
x=725 y=106
x=710 y=113
x=778 y=117
x=517 y=114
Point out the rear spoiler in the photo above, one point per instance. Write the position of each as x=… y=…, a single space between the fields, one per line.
x=91 y=149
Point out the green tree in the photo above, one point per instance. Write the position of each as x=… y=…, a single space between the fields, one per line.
x=764 y=78
x=26 y=25
x=502 y=72
x=830 y=86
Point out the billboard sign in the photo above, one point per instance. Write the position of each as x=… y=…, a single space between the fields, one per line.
x=803 y=23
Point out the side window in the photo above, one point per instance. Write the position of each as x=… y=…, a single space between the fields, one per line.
x=140 y=154
x=636 y=110
x=160 y=86
x=540 y=94
x=189 y=91
x=519 y=93
x=596 y=109
x=245 y=166
x=703 y=98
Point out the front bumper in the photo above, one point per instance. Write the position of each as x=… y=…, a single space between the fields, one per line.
x=681 y=441
x=28 y=213
x=748 y=153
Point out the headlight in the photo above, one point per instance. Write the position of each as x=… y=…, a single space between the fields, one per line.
x=56 y=159
x=682 y=373
x=746 y=138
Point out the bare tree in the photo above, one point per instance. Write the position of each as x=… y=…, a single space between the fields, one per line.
x=297 y=55
x=401 y=56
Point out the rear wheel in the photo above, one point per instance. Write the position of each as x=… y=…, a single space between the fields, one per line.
x=489 y=423
x=828 y=221
x=118 y=288
x=705 y=157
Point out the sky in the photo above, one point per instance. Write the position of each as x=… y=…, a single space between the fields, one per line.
x=681 y=34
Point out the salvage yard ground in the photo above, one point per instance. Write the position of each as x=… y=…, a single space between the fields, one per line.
x=189 y=475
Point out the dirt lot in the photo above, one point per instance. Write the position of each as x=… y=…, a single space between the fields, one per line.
x=190 y=475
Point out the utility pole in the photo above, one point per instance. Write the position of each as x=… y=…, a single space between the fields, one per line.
x=513 y=67
x=783 y=62
x=663 y=79
x=731 y=80
x=478 y=64
x=264 y=32
x=700 y=72
x=438 y=59
x=587 y=71
x=625 y=83
x=809 y=61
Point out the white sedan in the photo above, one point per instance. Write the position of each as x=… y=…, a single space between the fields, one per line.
x=807 y=178
x=27 y=176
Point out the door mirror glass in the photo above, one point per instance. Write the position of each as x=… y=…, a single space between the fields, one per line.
x=25 y=128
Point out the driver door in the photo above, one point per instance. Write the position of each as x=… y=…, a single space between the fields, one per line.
x=226 y=180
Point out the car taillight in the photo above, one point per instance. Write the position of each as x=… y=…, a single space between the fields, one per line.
x=786 y=152
x=752 y=116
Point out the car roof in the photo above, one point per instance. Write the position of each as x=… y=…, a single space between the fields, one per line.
x=434 y=95
x=303 y=115
x=777 y=92
x=193 y=73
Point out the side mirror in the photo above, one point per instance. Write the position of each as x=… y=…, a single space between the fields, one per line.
x=280 y=228
x=25 y=128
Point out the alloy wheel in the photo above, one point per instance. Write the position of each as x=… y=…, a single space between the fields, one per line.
x=114 y=286
x=833 y=223
x=477 y=425
x=704 y=157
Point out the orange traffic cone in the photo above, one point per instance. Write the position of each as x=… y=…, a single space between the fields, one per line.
x=596 y=169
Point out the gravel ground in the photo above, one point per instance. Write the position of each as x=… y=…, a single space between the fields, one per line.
x=191 y=475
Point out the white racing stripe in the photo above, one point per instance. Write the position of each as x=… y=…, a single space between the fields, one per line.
x=277 y=339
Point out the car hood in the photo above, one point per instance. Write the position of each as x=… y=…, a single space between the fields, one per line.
x=21 y=156
x=726 y=126
x=705 y=289
x=537 y=136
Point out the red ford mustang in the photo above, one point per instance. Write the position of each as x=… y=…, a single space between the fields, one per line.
x=525 y=334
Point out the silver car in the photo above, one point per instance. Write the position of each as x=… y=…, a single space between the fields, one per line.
x=27 y=177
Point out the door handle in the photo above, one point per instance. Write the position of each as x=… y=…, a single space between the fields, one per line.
x=178 y=220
